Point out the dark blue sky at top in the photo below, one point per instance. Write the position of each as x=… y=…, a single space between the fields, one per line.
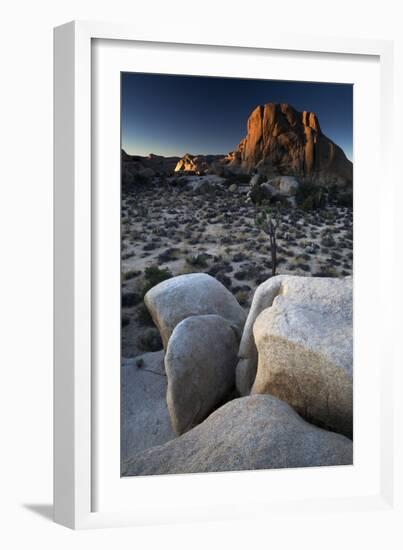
x=174 y=115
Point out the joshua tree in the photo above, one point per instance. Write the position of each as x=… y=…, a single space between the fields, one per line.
x=269 y=221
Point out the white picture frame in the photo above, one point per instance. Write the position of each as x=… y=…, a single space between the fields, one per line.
x=78 y=421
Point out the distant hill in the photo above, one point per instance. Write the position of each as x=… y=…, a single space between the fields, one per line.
x=152 y=165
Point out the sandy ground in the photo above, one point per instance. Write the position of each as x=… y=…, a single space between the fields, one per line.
x=170 y=226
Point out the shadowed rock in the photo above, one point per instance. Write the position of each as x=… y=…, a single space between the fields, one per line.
x=200 y=365
x=250 y=433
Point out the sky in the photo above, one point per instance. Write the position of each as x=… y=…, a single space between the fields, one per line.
x=172 y=115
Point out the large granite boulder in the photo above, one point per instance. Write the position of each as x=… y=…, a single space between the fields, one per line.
x=250 y=433
x=283 y=141
x=176 y=299
x=305 y=349
x=200 y=366
x=145 y=416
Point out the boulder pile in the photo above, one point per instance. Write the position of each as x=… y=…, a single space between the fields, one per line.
x=273 y=390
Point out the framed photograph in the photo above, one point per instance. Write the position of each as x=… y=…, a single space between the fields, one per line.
x=220 y=237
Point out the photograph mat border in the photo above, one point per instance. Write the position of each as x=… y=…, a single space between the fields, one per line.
x=109 y=59
x=73 y=271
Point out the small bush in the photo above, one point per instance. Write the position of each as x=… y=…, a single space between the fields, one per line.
x=130 y=274
x=143 y=316
x=311 y=197
x=197 y=260
x=130 y=299
x=150 y=340
x=257 y=194
x=153 y=276
x=243 y=297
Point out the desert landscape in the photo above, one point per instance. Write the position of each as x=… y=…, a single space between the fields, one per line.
x=237 y=302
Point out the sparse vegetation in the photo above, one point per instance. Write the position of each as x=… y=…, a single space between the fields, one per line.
x=197 y=260
x=154 y=275
x=268 y=221
x=311 y=197
x=220 y=236
x=127 y=275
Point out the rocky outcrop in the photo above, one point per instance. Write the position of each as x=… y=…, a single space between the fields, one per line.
x=280 y=141
x=250 y=433
x=198 y=164
x=145 y=416
x=136 y=168
x=303 y=338
x=180 y=297
x=200 y=366
x=283 y=141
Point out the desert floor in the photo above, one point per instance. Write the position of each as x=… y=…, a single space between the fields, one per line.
x=168 y=225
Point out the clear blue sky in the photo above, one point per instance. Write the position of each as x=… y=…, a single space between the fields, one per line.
x=173 y=115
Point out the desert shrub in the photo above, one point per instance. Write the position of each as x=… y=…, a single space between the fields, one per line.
x=141 y=179
x=130 y=179
x=150 y=340
x=237 y=179
x=143 y=315
x=153 y=275
x=243 y=297
x=223 y=278
x=257 y=194
x=127 y=275
x=197 y=260
x=345 y=199
x=130 y=299
x=327 y=271
x=311 y=197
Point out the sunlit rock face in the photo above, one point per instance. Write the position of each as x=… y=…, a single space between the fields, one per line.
x=283 y=141
x=196 y=163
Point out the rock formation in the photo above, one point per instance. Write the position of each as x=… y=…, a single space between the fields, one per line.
x=176 y=299
x=145 y=167
x=283 y=141
x=280 y=141
x=200 y=366
x=303 y=338
x=196 y=163
x=250 y=433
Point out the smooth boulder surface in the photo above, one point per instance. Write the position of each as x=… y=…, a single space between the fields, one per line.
x=145 y=416
x=200 y=366
x=176 y=299
x=250 y=433
x=305 y=350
